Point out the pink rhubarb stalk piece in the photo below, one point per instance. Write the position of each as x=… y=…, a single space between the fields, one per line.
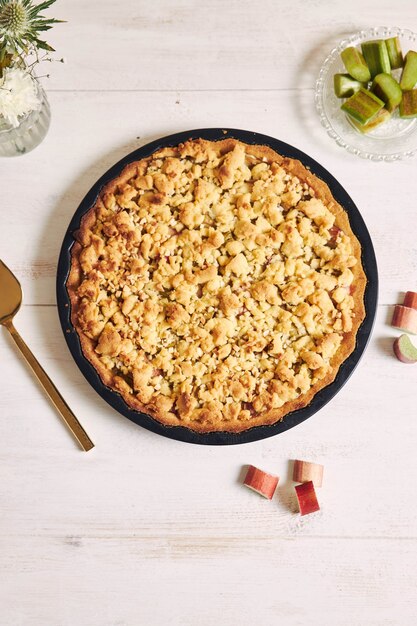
x=404 y=350
x=410 y=299
x=307 y=499
x=304 y=472
x=405 y=318
x=261 y=482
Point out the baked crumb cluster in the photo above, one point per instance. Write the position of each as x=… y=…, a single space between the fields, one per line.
x=215 y=285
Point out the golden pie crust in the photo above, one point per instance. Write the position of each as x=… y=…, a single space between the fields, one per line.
x=216 y=285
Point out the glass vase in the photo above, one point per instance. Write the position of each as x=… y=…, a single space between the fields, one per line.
x=30 y=132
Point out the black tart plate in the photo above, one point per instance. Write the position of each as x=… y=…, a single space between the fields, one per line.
x=258 y=432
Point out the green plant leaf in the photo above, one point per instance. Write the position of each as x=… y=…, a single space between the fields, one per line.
x=34 y=10
x=44 y=45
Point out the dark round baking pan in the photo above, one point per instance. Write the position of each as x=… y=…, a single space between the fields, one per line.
x=258 y=432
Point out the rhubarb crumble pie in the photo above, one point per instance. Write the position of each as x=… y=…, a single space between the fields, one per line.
x=216 y=285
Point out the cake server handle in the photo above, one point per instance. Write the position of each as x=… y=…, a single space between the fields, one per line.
x=51 y=391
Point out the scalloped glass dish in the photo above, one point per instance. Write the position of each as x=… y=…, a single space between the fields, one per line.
x=393 y=140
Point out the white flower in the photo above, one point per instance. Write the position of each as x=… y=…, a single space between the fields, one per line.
x=18 y=95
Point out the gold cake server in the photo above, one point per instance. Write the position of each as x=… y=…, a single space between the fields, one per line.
x=10 y=302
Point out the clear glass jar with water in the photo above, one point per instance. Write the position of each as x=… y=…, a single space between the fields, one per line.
x=30 y=132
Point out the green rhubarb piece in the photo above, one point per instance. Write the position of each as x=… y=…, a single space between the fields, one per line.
x=363 y=106
x=394 y=52
x=355 y=64
x=408 y=106
x=388 y=90
x=405 y=350
x=345 y=86
x=376 y=56
x=380 y=118
x=409 y=75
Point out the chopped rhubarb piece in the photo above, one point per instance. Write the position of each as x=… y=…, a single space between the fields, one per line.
x=394 y=52
x=405 y=318
x=307 y=499
x=410 y=299
x=408 y=105
x=362 y=106
x=409 y=75
x=345 y=86
x=380 y=118
x=387 y=88
x=304 y=472
x=334 y=233
x=376 y=56
x=404 y=350
x=261 y=482
x=355 y=64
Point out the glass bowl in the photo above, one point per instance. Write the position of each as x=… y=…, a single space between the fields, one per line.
x=393 y=140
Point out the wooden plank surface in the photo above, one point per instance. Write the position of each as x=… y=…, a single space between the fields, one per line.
x=187 y=581
x=189 y=44
x=147 y=531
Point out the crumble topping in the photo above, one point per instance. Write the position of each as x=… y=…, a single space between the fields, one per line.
x=215 y=285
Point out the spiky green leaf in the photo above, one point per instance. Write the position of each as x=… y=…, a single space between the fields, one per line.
x=34 y=10
x=44 y=45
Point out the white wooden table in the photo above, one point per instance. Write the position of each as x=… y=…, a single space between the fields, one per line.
x=148 y=531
